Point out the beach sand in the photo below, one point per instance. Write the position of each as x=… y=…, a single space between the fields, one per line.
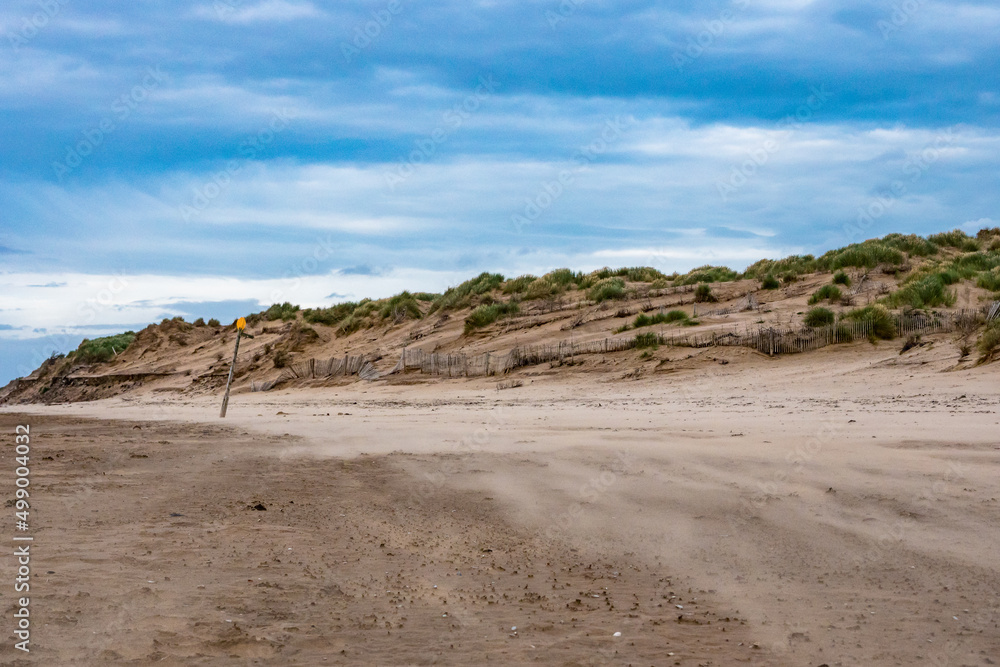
x=837 y=508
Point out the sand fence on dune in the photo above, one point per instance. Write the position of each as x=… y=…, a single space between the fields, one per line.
x=770 y=340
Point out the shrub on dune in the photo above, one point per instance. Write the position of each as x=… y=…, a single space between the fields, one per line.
x=819 y=317
x=882 y=323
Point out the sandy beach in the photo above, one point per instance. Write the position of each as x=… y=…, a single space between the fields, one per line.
x=834 y=508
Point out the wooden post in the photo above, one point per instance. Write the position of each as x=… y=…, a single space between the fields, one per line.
x=232 y=367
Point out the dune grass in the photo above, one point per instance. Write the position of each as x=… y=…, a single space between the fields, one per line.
x=679 y=316
x=518 y=285
x=911 y=244
x=399 y=307
x=956 y=238
x=989 y=342
x=607 y=289
x=769 y=282
x=825 y=293
x=647 y=341
x=927 y=292
x=634 y=274
x=989 y=280
x=878 y=316
x=329 y=316
x=281 y=311
x=486 y=314
x=819 y=317
x=461 y=295
x=703 y=294
x=794 y=265
x=707 y=274
x=868 y=254
x=99 y=350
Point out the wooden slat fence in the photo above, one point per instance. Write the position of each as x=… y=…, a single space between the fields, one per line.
x=766 y=339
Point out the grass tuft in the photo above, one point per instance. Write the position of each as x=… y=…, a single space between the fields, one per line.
x=647 y=341
x=926 y=292
x=400 y=307
x=281 y=311
x=607 y=289
x=868 y=254
x=826 y=292
x=819 y=317
x=461 y=295
x=878 y=316
x=103 y=349
x=643 y=320
x=487 y=314
x=989 y=342
x=707 y=274
x=518 y=285
x=703 y=294
x=956 y=238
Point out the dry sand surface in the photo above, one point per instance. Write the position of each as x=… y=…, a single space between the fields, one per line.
x=837 y=508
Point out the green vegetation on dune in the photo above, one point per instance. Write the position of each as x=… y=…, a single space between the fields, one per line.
x=461 y=295
x=989 y=280
x=329 y=316
x=989 y=342
x=563 y=277
x=518 y=285
x=819 y=317
x=707 y=274
x=486 y=314
x=647 y=340
x=703 y=294
x=971 y=264
x=102 y=349
x=926 y=292
x=606 y=289
x=927 y=267
x=281 y=311
x=911 y=244
x=955 y=239
x=796 y=265
x=403 y=305
x=882 y=323
x=868 y=254
x=644 y=320
x=633 y=274
x=826 y=292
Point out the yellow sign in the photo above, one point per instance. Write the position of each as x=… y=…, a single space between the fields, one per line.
x=241 y=323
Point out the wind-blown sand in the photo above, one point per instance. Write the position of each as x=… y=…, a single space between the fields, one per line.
x=835 y=508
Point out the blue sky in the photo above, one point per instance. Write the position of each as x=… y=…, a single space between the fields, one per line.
x=209 y=158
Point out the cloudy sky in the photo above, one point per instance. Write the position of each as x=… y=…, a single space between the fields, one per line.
x=210 y=158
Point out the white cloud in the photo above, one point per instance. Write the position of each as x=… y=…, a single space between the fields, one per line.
x=233 y=11
x=973 y=226
x=119 y=300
